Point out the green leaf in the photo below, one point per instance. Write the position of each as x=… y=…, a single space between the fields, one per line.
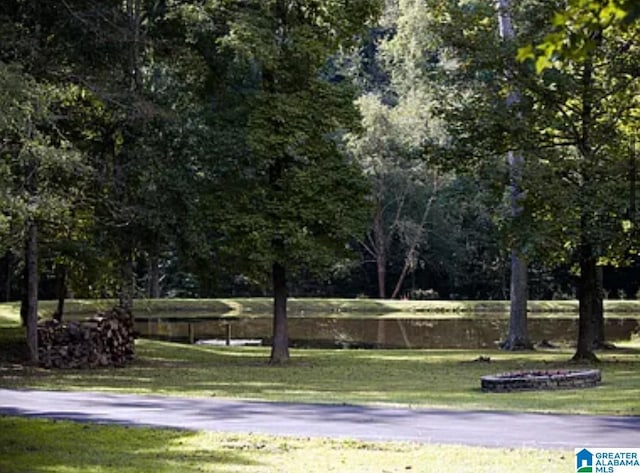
x=525 y=53
x=612 y=12
x=543 y=63
x=559 y=19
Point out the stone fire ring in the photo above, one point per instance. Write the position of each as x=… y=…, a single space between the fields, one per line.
x=535 y=380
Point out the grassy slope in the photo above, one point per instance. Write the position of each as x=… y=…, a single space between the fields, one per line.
x=39 y=446
x=316 y=306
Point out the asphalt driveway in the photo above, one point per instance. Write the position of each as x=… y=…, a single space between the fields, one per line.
x=485 y=428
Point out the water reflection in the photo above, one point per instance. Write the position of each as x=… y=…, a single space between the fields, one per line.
x=391 y=330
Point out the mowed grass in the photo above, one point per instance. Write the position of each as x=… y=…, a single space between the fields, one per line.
x=310 y=307
x=434 y=378
x=427 y=378
x=38 y=445
x=420 y=378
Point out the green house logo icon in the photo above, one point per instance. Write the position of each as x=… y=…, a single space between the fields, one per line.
x=584 y=461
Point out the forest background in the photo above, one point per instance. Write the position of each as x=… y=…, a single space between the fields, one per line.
x=208 y=148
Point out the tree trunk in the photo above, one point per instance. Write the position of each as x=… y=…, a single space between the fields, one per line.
x=380 y=250
x=134 y=16
x=518 y=336
x=381 y=269
x=280 y=345
x=61 y=291
x=589 y=292
x=30 y=299
x=154 y=277
x=127 y=283
x=588 y=304
x=405 y=269
x=24 y=299
x=409 y=260
x=599 y=341
x=7 y=271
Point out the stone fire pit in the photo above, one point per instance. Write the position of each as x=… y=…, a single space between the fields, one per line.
x=534 y=380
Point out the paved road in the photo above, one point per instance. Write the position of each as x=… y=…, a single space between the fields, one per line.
x=494 y=429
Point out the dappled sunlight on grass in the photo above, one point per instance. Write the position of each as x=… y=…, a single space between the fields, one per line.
x=42 y=446
x=52 y=446
x=429 y=378
x=9 y=314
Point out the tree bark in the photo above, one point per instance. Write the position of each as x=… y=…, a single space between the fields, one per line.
x=154 y=278
x=380 y=248
x=24 y=296
x=127 y=283
x=589 y=292
x=61 y=291
x=588 y=304
x=8 y=272
x=134 y=17
x=409 y=260
x=30 y=299
x=518 y=336
x=599 y=341
x=280 y=345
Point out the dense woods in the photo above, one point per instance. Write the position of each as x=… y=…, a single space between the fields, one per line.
x=409 y=148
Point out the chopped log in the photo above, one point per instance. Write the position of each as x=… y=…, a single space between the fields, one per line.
x=105 y=339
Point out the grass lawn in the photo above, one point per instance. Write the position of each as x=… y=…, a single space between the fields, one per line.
x=434 y=378
x=39 y=446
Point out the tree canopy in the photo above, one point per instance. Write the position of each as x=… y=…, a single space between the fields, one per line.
x=326 y=147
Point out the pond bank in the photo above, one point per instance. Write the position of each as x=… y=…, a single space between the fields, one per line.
x=308 y=306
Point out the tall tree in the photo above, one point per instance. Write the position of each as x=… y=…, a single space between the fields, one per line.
x=452 y=50
x=38 y=164
x=398 y=119
x=145 y=138
x=586 y=99
x=518 y=336
x=302 y=199
x=403 y=188
x=133 y=106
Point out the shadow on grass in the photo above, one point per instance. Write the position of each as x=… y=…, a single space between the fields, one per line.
x=435 y=378
x=38 y=445
x=13 y=345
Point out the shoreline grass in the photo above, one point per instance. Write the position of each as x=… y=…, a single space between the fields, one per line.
x=313 y=307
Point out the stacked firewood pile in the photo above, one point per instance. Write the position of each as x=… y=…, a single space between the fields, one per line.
x=106 y=339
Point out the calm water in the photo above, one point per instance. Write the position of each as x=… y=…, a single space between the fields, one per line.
x=397 y=330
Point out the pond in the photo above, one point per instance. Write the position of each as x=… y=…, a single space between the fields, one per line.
x=396 y=330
